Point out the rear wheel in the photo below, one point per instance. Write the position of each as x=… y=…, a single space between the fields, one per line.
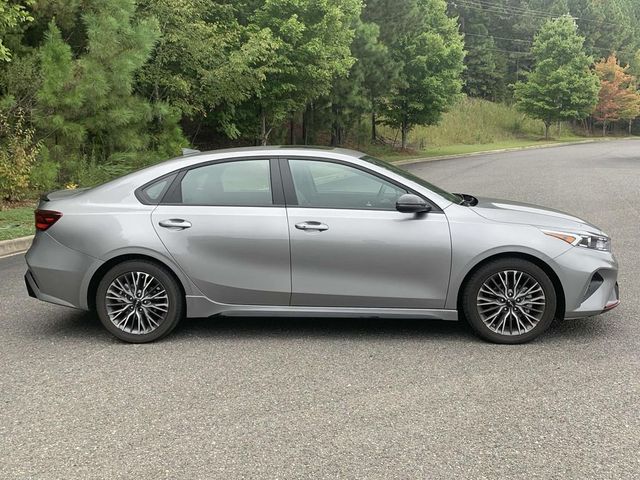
x=139 y=301
x=509 y=301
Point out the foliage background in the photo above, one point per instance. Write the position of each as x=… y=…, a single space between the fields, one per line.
x=91 y=89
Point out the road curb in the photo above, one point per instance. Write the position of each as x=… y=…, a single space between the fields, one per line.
x=16 y=245
x=506 y=150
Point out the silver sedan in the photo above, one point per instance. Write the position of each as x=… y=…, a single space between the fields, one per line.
x=287 y=231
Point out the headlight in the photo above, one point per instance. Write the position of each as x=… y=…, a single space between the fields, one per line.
x=586 y=240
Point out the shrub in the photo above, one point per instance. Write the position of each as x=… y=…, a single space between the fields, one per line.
x=44 y=174
x=18 y=153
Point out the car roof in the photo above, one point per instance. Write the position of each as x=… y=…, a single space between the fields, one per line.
x=270 y=149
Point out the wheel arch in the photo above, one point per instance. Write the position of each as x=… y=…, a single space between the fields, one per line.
x=112 y=262
x=553 y=276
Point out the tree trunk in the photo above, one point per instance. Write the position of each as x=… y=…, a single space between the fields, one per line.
x=334 y=125
x=404 y=127
x=263 y=129
x=604 y=129
x=630 y=127
x=310 y=138
x=547 y=125
x=305 y=126
x=374 y=133
x=291 y=130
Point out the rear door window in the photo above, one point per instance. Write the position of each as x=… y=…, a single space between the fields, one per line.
x=234 y=183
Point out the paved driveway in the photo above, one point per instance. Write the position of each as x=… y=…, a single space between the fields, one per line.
x=304 y=398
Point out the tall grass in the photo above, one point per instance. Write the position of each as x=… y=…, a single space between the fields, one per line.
x=474 y=121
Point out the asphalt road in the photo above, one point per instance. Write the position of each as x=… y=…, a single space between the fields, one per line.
x=305 y=398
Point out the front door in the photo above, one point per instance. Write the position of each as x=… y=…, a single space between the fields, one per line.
x=228 y=230
x=350 y=247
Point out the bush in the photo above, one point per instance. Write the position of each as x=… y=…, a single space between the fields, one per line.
x=44 y=174
x=18 y=153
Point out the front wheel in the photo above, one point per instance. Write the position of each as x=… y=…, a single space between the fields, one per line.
x=139 y=301
x=509 y=301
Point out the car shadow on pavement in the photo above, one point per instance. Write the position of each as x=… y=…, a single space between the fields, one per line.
x=77 y=325
x=331 y=328
x=323 y=328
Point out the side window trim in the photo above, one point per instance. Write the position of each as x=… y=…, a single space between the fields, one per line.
x=290 y=191
x=173 y=195
x=291 y=199
x=142 y=196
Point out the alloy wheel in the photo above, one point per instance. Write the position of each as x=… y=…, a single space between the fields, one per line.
x=511 y=302
x=137 y=303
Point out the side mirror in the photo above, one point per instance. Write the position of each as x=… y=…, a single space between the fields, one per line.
x=409 y=203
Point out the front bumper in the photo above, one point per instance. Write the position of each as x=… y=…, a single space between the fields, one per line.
x=589 y=280
x=614 y=299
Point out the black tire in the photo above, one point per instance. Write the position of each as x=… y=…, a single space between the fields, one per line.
x=471 y=310
x=175 y=300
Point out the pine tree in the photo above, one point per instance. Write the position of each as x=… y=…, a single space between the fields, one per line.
x=371 y=78
x=87 y=110
x=482 y=76
x=379 y=58
x=561 y=87
x=116 y=48
x=58 y=113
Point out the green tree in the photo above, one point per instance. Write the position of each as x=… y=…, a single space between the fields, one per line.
x=382 y=34
x=12 y=14
x=608 y=26
x=482 y=76
x=87 y=109
x=58 y=111
x=204 y=58
x=370 y=78
x=313 y=47
x=561 y=87
x=432 y=63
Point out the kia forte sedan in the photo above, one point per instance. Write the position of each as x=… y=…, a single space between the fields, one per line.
x=289 y=231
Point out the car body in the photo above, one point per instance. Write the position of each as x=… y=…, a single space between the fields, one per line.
x=302 y=231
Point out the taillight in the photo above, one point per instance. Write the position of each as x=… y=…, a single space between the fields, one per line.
x=46 y=218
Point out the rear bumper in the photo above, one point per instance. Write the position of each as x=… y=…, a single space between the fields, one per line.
x=30 y=284
x=35 y=292
x=56 y=273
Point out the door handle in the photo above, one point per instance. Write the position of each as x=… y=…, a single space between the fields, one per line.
x=312 y=226
x=175 y=224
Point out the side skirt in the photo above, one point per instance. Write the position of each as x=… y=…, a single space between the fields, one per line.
x=198 y=307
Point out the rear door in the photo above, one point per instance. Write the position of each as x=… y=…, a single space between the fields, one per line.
x=225 y=224
x=350 y=247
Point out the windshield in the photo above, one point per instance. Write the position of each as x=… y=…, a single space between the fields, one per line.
x=410 y=176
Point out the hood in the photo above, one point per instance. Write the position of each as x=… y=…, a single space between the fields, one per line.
x=506 y=211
